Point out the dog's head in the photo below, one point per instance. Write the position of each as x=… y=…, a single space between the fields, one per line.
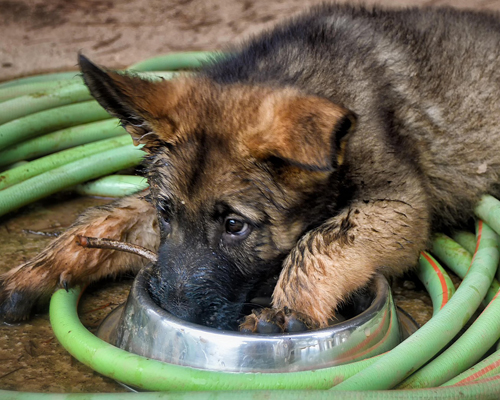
x=237 y=173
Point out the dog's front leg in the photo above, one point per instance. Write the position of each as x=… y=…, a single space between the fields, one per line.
x=343 y=254
x=64 y=263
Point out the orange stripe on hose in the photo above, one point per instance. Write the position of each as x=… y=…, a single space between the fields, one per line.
x=479 y=234
x=440 y=275
x=478 y=373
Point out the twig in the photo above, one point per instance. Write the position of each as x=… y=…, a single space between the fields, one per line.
x=102 y=243
x=11 y=372
x=41 y=233
x=98 y=308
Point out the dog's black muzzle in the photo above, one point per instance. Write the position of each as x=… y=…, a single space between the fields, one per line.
x=197 y=284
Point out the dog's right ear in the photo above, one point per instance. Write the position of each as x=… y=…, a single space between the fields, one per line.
x=135 y=101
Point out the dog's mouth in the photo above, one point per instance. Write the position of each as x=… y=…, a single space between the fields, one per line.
x=214 y=310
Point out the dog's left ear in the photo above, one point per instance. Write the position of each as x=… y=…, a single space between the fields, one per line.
x=306 y=131
x=135 y=101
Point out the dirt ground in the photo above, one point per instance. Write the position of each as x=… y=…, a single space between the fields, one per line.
x=44 y=36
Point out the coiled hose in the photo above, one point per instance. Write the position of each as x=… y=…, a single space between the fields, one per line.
x=155 y=375
x=35 y=130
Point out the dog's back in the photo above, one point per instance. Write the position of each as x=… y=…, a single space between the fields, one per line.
x=424 y=81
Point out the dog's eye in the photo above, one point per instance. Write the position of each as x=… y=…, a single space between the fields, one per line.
x=236 y=227
x=165 y=227
x=164 y=218
x=164 y=210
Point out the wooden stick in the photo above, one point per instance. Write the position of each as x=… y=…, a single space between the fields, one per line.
x=102 y=243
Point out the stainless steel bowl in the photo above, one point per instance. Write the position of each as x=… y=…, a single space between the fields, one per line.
x=141 y=327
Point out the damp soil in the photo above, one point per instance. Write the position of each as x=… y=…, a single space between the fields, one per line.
x=31 y=359
x=39 y=36
x=46 y=35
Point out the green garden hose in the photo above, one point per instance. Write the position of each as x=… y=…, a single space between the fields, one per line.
x=47 y=121
x=453 y=255
x=488 y=209
x=478 y=390
x=12 y=92
x=55 y=76
x=44 y=164
x=61 y=140
x=43 y=100
x=424 y=344
x=113 y=186
x=68 y=175
x=464 y=353
x=490 y=366
x=458 y=259
x=465 y=239
x=429 y=269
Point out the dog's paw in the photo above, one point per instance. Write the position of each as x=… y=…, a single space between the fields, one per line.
x=268 y=320
x=16 y=305
x=27 y=288
x=24 y=289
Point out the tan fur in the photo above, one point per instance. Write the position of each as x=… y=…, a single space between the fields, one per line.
x=281 y=138
x=64 y=262
x=325 y=266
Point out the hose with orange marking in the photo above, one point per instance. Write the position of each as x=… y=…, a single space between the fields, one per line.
x=458 y=259
x=490 y=366
x=427 y=273
x=465 y=352
x=423 y=345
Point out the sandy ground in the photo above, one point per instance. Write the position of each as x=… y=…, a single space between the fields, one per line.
x=45 y=36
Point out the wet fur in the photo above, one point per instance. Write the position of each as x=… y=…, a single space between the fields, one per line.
x=339 y=137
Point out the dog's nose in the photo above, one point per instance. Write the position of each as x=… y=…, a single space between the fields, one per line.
x=181 y=309
x=196 y=283
x=173 y=290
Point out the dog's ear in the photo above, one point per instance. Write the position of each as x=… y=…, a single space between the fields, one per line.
x=306 y=131
x=135 y=101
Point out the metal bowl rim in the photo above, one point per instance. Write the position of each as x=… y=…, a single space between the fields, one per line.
x=139 y=288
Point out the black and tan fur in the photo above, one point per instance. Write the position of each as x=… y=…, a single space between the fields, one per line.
x=334 y=142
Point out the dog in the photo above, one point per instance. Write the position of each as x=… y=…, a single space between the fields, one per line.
x=321 y=152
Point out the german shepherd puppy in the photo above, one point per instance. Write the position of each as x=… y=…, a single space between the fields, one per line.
x=322 y=151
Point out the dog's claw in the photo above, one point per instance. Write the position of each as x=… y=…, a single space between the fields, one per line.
x=298 y=322
x=265 y=320
x=65 y=285
x=269 y=320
